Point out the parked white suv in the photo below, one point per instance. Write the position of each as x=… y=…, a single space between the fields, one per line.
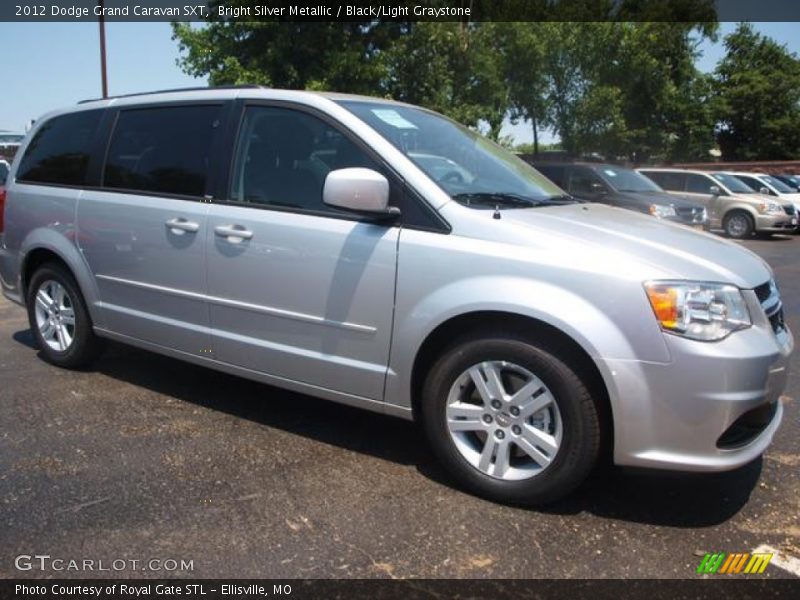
x=771 y=186
x=310 y=241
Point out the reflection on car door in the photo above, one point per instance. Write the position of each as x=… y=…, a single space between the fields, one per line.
x=698 y=189
x=299 y=290
x=143 y=236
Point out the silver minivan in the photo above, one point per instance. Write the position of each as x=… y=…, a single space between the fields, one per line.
x=380 y=255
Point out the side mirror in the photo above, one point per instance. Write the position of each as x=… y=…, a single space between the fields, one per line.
x=359 y=190
x=714 y=190
x=764 y=190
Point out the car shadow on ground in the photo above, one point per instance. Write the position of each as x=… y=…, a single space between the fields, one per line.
x=652 y=497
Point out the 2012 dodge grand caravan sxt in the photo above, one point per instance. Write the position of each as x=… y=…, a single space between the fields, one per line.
x=380 y=255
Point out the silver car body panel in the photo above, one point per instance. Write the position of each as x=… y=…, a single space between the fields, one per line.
x=339 y=308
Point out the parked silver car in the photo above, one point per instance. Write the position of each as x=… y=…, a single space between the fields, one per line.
x=304 y=240
x=731 y=204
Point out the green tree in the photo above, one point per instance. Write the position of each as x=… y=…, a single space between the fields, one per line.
x=294 y=55
x=453 y=68
x=757 y=84
x=620 y=88
x=449 y=67
x=521 y=48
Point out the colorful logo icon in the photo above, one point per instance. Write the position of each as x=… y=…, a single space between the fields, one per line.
x=733 y=563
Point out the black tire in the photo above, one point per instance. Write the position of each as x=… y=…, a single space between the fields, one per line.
x=580 y=442
x=731 y=225
x=85 y=345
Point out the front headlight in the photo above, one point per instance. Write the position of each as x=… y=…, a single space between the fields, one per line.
x=697 y=310
x=772 y=208
x=661 y=211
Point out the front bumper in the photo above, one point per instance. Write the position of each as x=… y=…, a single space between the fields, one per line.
x=703 y=224
x=714 y=407
x=776 y=223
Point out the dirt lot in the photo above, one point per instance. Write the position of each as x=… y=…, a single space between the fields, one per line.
x=145 y=457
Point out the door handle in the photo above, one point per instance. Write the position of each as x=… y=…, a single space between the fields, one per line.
x=234 y=233
x=181 y=226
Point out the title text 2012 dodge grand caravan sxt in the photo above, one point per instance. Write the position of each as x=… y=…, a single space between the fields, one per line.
x=380 y=255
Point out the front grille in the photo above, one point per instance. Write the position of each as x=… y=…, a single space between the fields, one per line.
x=777 y=321
x=690 y=214
x=747 y=427
x=763 y=292
x=770 y=299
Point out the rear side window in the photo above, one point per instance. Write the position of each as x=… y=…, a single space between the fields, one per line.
x=59 y=152
x=3 y=173
x=672 y=182
x=162 y=150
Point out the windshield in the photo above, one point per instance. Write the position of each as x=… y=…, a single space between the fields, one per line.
x=470 y=168
x=781 y=187
x=790 y=180
x=627 y=180
x=737 y=186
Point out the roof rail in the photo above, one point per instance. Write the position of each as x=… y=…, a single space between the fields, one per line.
x=247 y=86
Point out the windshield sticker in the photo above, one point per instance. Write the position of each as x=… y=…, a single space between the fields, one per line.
x=393 y=118
x=610 y=173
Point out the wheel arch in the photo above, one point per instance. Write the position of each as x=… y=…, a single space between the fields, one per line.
x=45 y=246
x=566 y=346
x=740 y=208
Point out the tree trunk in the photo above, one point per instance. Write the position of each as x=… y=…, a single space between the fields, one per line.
x=535 y=137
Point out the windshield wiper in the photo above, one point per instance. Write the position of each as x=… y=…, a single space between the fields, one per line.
x=507 y=199
x=564 y=199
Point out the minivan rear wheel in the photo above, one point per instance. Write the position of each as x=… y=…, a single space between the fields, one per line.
x=510 y=419
x=738 y=225
x=59 y=319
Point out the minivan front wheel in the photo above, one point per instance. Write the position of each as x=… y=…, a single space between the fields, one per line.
x=510 y=420
x=59 y=319
x=738 y=225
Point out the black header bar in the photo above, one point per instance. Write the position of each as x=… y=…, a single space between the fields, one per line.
x=400 y=10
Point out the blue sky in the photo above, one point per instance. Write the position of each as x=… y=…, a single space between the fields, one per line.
x=49 y=65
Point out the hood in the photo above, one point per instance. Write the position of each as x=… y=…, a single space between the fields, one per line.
x=659 y=198
x=668 y=250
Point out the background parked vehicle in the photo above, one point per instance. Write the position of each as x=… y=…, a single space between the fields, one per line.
x=4 y=169
x=771 y=186
x=793 y=181
x=731 y=204
x=624 y=188
x=9 y=144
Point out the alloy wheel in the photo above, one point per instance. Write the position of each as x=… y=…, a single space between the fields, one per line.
x=504 y=420
x=55 y=315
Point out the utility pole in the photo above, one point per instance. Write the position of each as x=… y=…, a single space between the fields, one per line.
x=103 y=74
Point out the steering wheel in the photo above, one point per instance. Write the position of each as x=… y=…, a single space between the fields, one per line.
x=452 y=177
